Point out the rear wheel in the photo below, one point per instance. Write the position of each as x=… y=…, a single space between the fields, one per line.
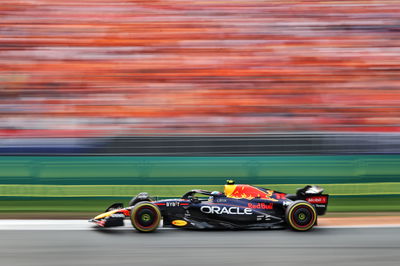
x=301 y=216
x=145 y=217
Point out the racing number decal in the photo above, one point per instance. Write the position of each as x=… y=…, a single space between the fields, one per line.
x=172 y=203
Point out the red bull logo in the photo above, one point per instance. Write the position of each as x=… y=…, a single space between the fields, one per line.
x=264 y=206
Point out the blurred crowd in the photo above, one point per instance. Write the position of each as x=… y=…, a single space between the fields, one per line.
x=72 y=68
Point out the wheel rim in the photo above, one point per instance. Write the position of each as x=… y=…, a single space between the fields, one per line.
x=302 y=217
x=146 y=218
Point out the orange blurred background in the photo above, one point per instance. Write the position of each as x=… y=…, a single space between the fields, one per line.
x=99 y=68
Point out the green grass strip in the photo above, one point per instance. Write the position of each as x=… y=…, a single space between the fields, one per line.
x=79 y=191
x=97 y=205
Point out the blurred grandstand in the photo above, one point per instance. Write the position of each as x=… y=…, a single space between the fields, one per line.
x=199 y=77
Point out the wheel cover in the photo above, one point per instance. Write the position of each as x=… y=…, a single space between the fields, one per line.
x=146 y=218
x=302 y=217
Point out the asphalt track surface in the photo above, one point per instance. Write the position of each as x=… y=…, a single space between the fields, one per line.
x=84 y=245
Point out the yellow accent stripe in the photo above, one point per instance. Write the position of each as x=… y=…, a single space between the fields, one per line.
x=106 y=214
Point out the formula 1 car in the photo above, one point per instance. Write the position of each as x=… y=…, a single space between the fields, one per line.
x=239 y=207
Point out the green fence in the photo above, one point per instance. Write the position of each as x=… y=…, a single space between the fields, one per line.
x=94 y=177
x=198 y=170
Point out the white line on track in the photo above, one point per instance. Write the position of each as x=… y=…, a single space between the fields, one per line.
x=362 y=226
x=85 y=225
x=55 y=225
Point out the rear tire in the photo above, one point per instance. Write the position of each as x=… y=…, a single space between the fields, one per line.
x=301 y=216
x=145 y=217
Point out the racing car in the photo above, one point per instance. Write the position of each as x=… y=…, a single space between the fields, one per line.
x=240 y=206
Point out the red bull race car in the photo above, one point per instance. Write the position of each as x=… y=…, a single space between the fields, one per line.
x=238 y=207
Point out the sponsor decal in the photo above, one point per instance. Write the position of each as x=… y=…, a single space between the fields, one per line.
x=179 y=222
x=264 y=206
x=286 y=203
x=172 y=203
x=280 y=195
x=320 y=199
x=225 y=210
x=265 y=217
x=118 y=215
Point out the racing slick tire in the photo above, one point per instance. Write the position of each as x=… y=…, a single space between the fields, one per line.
x=301 y=216
x=145 y=217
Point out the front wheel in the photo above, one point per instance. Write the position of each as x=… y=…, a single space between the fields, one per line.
x=145 y=217
x=301 y=216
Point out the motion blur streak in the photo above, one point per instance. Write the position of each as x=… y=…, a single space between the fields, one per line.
x=355 y=247
x=73 y=68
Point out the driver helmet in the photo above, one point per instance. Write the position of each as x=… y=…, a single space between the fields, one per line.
x=213 y=194
x=216 y=193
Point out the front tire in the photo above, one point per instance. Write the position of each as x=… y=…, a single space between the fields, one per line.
x=301 y=216
x=145 y=217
